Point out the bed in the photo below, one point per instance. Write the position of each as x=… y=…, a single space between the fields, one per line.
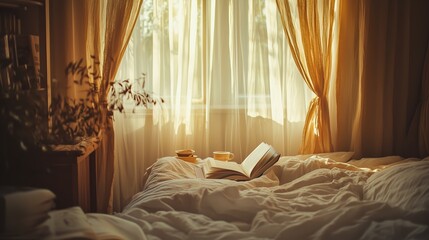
x=325 y=196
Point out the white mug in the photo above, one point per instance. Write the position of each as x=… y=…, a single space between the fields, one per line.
x=223 y=156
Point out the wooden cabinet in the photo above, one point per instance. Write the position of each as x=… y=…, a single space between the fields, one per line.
x=71 y=174
x=67 y=170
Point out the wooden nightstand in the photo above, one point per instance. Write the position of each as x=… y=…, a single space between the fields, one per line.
x=67 y=170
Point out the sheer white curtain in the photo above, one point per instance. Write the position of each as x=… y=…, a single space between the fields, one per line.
x=228 y=80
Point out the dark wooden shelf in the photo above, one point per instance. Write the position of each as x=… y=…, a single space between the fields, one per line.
x=20 y=3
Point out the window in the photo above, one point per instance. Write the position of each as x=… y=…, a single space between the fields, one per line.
x=221 y=54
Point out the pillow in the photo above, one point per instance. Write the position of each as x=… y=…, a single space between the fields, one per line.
x=22 y=209
x=378 y=162
x=404 y=185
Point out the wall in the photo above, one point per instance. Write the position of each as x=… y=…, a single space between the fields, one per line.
x=381 y=55
x=67 y=42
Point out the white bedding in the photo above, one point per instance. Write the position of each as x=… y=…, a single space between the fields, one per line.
x=73 y=223
x=310 y=198
x=300 y=197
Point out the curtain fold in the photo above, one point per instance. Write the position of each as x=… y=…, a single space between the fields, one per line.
x=309 y=28
x=110 y=24
x=348 y=87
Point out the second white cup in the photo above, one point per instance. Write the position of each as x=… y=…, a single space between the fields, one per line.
x=223 y=156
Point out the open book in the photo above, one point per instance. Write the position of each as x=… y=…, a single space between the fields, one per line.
x=253 y=166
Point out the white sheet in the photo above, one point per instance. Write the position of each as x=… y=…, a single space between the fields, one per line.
x=73 y=223
x=316 y=198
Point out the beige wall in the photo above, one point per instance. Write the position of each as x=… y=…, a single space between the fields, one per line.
x=67 y=41
x=378 y=84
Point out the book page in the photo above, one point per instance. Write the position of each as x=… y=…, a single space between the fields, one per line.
x=225 y=165
x=264 y=160
x=260 y=169
x=227 y=174
x=253 y=158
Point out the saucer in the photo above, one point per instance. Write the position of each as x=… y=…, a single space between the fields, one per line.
x=192 y=159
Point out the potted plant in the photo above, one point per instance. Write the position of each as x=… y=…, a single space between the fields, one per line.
x=24 y=120
x=74 y=119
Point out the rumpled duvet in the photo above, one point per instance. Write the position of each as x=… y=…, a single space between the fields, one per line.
x=312 y=198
